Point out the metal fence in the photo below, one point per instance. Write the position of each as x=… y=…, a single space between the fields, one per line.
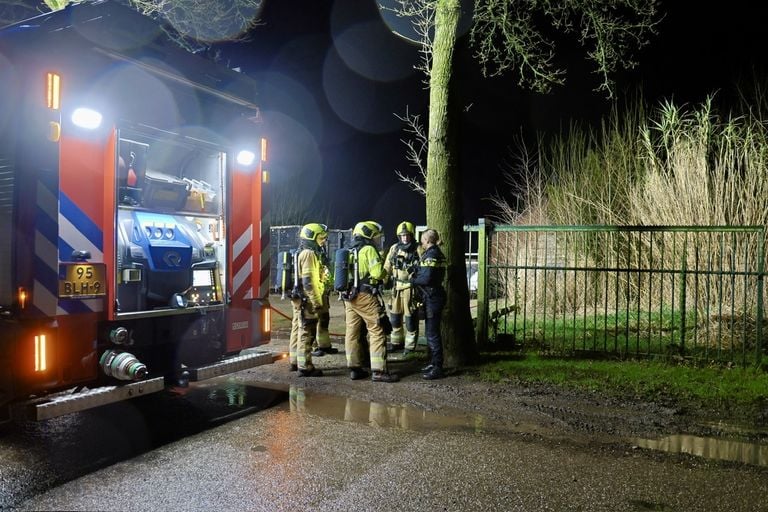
x=673 y=292
x=286 y=238
x=470 y=254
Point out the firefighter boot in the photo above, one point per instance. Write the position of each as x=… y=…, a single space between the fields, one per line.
x=357 y=373
x=384 y=377
x=321 y=351
x=434 y=373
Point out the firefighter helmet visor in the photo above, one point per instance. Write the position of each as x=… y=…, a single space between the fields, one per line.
x=406 y=228
x=367 y=229
x=314 y=231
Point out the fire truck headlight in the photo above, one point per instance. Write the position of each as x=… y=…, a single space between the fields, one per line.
x=86 y=118
x=246 y=157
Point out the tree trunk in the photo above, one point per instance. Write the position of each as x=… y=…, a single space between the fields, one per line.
x=444 y=204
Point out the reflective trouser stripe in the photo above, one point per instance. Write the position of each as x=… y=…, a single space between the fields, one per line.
x=397 y=336
x=293 y=341
x=306 y=334
x=364 y=309
x=323 y=339
x=410 y=340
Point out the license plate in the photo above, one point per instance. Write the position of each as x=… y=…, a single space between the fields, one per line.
x=82 y=280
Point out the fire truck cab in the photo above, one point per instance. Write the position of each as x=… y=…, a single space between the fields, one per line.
x=133 y=240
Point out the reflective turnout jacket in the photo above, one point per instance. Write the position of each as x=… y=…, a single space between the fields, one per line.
x=400 y=261
x=370 y=268
x=311 y=273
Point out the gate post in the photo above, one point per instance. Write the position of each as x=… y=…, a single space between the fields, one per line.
x=760 y=292
x=683 y=295
x=485 y=229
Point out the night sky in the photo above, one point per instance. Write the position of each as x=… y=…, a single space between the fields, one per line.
x=332 y=77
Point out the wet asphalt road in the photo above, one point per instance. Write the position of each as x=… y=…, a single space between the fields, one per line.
x=35 y=456
x=211 y=450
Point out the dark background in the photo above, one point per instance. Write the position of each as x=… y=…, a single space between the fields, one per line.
x=333 y=75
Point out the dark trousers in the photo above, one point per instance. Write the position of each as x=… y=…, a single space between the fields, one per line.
x=434 y=313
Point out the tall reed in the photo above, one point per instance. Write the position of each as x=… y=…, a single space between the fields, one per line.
x=676 y=166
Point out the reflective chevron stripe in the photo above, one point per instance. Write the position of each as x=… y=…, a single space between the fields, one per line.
x=266 y=259
x=78 y=232
x=46 y=262
x=242 y=265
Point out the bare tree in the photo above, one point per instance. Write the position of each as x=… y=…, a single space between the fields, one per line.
x=289 y=206
x=203 y=21
x=526 y=181
x=507 y=36
x=416 y=152
x=193 y=22
x=12 y=11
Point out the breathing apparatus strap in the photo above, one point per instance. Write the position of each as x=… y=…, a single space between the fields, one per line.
x=296 y=268
x=356 y=268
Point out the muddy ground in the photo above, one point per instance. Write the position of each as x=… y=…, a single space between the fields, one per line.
x=542 y=409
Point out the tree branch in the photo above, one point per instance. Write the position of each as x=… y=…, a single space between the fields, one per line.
x=512 y=34
x=416 y=152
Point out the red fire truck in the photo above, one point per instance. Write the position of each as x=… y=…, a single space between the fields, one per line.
x=133 y=237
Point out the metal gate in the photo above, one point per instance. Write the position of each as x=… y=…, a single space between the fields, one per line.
x=655 y=291
x=286 y=238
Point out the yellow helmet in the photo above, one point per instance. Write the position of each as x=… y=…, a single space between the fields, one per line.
x=406 y=228
x=313 y=231
x=367 y=229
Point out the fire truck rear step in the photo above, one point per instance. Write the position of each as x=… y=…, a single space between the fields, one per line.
x=231 y=365
x=65 y=403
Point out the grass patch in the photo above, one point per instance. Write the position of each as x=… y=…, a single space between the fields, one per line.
x=714 y=387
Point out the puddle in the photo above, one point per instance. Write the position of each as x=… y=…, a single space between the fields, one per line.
x=228 y=399
x=710 y=448
x=301 y=401
x=218 y=401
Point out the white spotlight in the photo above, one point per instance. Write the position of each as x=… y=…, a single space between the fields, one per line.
x=246 y=157
x=86 y=118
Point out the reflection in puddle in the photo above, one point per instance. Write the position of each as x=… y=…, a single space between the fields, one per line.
x=379 y=414
x=301 y=401
x=710 y=448
x=220 y=399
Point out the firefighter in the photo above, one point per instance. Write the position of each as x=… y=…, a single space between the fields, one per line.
x=400 y=262
x=307 y=297
x=322 y=342
x=429 y=279
x=293 y=340
x=363 y=305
